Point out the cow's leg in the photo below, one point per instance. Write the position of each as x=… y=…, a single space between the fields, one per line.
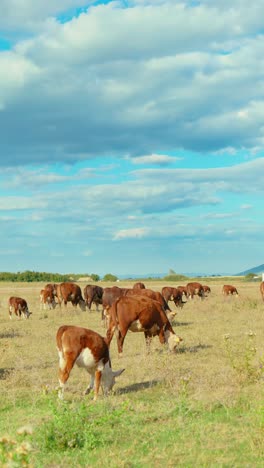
x=110 y=332
x=162 y=336
x=120 y=341
x=97 y=381
x=90 y=386
x=148 y=339
x=66 y=362
x=10 y=312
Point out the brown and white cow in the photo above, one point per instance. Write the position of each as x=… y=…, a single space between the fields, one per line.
x=140 y=314
x=139 y=285
x=93 y=294
x=89 y=350
x=173 y=294
x=262 y=289
x=70 y=292
x=195 y=289
x=19 y=306
x=229 y=290
x=47 y=299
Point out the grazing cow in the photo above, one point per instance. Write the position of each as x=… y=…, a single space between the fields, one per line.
x=93 y=293
x=173 y=294
x=87 y=349
x=70 y=292
x=140 y=314
x=18 y=306
x=47 y=299
x=262 y=289
x=229 y=290
x=139 y=285
x=195 y=289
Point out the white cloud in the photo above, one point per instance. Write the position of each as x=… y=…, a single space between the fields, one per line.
x=157 y=159
x=135 y=233
x=159 y=83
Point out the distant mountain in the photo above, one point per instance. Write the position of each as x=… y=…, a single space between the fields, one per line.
x=257 y=270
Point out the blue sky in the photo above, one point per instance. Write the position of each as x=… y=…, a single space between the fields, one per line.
x=131 y=136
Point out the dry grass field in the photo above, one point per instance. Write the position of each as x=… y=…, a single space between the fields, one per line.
x=202 y=406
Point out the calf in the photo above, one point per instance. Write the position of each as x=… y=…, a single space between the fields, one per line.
x=89 y=350
x=18 y=306
x=229 y=290
x=140 y=314
x=47 y=299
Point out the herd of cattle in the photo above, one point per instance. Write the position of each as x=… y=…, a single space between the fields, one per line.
x=137 y=309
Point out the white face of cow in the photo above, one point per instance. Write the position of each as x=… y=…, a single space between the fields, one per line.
x=108 y=378
x=173 y=341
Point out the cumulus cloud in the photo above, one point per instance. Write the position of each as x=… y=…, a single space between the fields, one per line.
x=170 y=76
x=28 y=15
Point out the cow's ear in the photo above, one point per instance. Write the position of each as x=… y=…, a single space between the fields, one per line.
x=118 y=372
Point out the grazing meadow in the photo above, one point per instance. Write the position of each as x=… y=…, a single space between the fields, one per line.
x=202 y=406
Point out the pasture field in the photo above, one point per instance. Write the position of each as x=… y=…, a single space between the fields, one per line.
x=200 y=407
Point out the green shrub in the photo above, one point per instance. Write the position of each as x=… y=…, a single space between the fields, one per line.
x=175 y=278
x=110 y=277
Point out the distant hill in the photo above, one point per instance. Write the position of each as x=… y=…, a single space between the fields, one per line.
x=257 y=270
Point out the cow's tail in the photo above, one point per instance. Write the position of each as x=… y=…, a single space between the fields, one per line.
x=59 y=336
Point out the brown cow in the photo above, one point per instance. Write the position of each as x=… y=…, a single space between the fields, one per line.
x=262 y=289
x=47 y=299
x=173 y=294
x=229 y=290
x=139 y=285
x=193 y=289
x=140 y=313
x=70 y=292
x=87 y=349
x=18 y=306
x=93 y=293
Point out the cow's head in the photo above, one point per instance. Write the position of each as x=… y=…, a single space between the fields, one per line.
x=82 y=304
x=26 y=313
x=173 y=341
x=108 y=378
